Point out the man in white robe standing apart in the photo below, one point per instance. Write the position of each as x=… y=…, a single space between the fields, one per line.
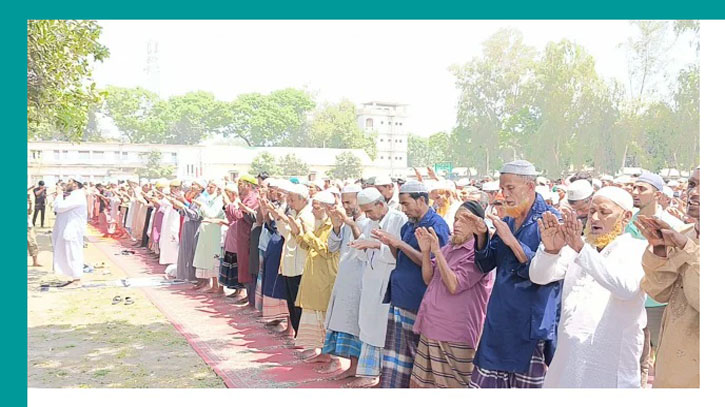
x=68 y=231
x=600 y=334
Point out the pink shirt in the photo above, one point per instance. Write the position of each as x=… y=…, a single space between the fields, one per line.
x=456 y=318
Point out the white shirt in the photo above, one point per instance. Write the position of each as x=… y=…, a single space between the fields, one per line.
x=600 y=334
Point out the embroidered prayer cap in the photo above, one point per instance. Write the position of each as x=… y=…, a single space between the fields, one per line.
x=491 y=186
x=368 y=195
x=300 y=189
x=324 y=197
x=201 y=182
x=412 y=187
x=578 y=190
x=542 y=181
x=668 y=192
x=463 y=182
x=652 y=179
x=383 y=180
x=231 y=187
x=617 y=195
x=162 y=183
x=519 y=167
x=351 y=188
x=624 y=179
x=333 y=191
x=175 y=183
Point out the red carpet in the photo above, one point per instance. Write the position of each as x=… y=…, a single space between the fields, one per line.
x=232 y=342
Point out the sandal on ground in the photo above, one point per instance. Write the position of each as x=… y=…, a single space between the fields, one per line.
x=129 y=301
x=116 y=300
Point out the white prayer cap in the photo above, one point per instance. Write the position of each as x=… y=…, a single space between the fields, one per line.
x=554 y=199
x=492 y=186
x=383 y=180
x=299 y=189
x=368 y=195
x=624 y=179
x=596 y=183
x=463 y=182
x=449 y=185
x=231 y=187
x=412 y=187
x=333 y=190
x=166 y=190
x=319 y=184
x=324 y=197
x=617 y=195
x=543 y=191
x=607 y=177
x=286 y=185
x=673 y=183
x=351 y=188
x=201 y=181
x=519 y=167
x=668 y=192
x=541 y=180
x=578 y=190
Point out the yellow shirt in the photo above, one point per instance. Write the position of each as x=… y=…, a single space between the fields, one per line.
x=293 y=256
x=675 y=279
x=320 y=269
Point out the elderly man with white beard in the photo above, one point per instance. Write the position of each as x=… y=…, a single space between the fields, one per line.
x=600 y=334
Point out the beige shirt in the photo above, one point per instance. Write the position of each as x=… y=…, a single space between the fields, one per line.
x=294 y=256
x=675 y=280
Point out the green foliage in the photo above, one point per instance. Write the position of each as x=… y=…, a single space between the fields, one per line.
x=137 y=114
x=553 y=109
x=60 y=89
x=335 y=126
x=347 y=165
x=291 y=165
x=265 y=162
x=192 y=117
x=153 y=167
x=428 y=151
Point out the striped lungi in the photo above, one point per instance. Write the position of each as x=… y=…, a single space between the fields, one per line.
x=274 y=309
x=258 y=297
x=228 y=271
x=342 y=344
x=442 y=364
x=401 y=345
x=370 y=361
x=534 y=378
x=311 y=332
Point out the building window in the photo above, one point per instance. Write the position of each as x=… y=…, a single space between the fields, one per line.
x=382 y=139
x=368 y=122
x=84 y=155
x=382 y=158
x=64 y=154
x=56 y=155
x=35 y=154
x=124 y=156
x=98 y=155
x=173 y=157
x=382 y=122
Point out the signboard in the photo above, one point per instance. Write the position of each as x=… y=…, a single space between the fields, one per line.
x=444 y=167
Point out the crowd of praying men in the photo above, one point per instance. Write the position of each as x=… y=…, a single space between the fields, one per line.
x=517 y=281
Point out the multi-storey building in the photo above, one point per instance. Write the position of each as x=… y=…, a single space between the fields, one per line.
x=388 y=121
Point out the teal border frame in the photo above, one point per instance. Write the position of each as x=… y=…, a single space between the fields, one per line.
x=13 y=29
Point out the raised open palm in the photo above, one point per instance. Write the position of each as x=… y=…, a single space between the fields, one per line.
x=552 y=235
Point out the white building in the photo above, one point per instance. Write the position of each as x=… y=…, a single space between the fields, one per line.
x=103 y=162
x=389 y=122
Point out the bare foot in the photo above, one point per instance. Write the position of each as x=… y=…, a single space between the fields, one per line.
x=363 y=383
x=331 y=367
x=345 y=374
x=37 y=265
x=306 y=354
x=321 y=358
x=234 y=294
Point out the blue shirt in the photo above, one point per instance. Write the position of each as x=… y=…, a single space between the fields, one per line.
x=406 y=286
x=520 y=313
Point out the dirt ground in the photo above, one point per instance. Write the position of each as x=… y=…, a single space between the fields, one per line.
x=77 y=338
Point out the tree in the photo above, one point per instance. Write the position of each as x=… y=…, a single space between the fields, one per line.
x=347 y=165
x=60 y=89
x=277 y=119
x=192 y=117
x=491 y=87
x=428 y=151
x=290 y=165
x=335 y=126
x=153 y=167
x=137 y=114
x=265 y=162
x=92 y=132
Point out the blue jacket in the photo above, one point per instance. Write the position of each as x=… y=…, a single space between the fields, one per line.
x=406 y=287
x=520 y=313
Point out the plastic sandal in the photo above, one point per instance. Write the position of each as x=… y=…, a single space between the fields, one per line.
x=116 y=300
x=129 y=301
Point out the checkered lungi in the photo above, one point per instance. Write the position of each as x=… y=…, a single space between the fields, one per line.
x=341 y=344
x=228 y=271
x=311 y=333
x=401 y=345
x=534 y=378
x=370 y=361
